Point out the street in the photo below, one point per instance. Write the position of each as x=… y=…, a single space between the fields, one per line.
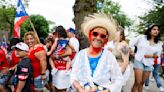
x=152 y=84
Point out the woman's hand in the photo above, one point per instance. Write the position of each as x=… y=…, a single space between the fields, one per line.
x=48 y=53
x=155 y=56
x=5 y=71
x=81 y=90
x=43 y=76
x=125 y=52
x=151 y=56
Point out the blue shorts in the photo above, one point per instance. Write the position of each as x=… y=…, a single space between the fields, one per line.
x=140 y=65
x=3 y=79
x=39 y=83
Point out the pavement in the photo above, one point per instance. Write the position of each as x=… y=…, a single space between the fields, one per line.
x=152 y=84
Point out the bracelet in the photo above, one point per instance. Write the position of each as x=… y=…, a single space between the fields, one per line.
x=10 y=70
x=43 y=74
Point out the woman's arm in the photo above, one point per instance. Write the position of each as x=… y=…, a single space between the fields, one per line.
x=125 y=51
x=41 y=56
x=67 y=52
x=51 y=63
x=13 y=68
x=150 y=56
x=78 y=87
x=53 y=47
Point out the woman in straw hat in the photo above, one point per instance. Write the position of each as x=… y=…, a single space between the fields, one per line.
x=96 y=69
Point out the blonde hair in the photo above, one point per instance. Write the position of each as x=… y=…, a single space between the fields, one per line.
x=33 y=34
x=99 y=20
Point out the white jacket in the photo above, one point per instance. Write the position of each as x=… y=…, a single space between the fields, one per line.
x=107 y=73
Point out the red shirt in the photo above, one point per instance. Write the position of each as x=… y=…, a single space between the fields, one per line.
x=14 y=60
x=35 y=62
x=3 y=60
x=60 y=64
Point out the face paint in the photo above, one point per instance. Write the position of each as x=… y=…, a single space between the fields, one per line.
x=93 y=49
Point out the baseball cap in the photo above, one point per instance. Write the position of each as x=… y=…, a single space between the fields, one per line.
x=71 y=30
x=22 y=46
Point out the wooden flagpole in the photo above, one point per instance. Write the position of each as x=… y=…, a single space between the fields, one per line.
x=34 y=29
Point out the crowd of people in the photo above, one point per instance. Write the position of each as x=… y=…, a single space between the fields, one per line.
x=30 y=65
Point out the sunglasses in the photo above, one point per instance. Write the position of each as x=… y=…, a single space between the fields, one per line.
x=102 y=36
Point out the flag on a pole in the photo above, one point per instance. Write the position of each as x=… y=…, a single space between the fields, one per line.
x=4 y=44
x=20 y=17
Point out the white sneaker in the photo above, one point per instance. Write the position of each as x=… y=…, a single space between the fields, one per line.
x=161 y=89
x=151 y=79
x=146 y=87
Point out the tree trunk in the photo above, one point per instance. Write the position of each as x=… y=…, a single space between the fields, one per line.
x=83 y=8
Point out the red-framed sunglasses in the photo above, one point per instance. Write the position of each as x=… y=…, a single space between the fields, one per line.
x=102 y=36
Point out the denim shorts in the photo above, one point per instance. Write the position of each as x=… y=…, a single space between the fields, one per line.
x=140 y=65
x=39 y=83
x=3 y=79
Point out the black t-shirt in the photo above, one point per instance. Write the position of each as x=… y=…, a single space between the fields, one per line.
x=24 y=72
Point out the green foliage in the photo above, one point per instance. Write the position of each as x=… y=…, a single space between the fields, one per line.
x=7 y=15
x=154 y=16
x=12 y=3
x=7 y=19
x=113 y=8
x=40 y=23
x=158 y=2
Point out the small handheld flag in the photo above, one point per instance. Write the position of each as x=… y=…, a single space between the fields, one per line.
x=20 y=17
x=4 y=45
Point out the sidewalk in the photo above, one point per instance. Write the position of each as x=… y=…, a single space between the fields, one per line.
x=152 y=84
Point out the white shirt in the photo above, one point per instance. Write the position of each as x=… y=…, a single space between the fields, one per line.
x=75 y=43
x=107 y=73
x=111 y=45
x=143 y=48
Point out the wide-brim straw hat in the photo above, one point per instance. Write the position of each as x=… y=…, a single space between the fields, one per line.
x=99 y=20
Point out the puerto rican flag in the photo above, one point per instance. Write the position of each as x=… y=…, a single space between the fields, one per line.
x=20 y=17
x=4 y=45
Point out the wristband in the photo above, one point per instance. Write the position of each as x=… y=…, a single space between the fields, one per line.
x=9 y=69
x=43 y=73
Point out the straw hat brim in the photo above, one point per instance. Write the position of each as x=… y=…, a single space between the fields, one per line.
x=97 y=20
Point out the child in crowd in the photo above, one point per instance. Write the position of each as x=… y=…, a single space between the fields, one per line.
x=23 y=76
x=59 y=47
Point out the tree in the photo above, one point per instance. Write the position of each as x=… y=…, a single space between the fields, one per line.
x=7 y=19
x=83 y=8
x=40 y=23
x=9 y=3
x=7 y=15
x=109 y=7
x=158 y=2
x=154 y=16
